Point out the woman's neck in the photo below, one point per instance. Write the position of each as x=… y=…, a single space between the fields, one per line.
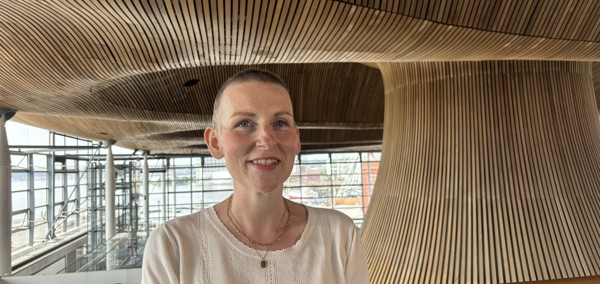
x=259 y=215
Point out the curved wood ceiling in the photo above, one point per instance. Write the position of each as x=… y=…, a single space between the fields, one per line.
x=115 y=70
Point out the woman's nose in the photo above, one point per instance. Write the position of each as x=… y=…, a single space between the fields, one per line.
x=265 y=138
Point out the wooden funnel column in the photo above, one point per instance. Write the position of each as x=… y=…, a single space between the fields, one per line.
x=490 y=173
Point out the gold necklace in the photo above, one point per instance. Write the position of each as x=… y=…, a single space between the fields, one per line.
x=263 y=258
x=235 y=225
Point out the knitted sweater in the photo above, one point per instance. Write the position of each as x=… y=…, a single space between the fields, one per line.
x=198 y=248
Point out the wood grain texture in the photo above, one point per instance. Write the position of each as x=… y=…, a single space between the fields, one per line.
x=488 y=174
x=117 y=67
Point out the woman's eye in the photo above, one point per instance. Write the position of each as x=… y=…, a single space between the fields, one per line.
x=243 y=123
x=281 y=123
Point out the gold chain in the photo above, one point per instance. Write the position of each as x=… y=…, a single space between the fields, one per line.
x=238 y=230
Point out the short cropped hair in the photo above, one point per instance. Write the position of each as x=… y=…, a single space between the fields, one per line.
x=246 y=75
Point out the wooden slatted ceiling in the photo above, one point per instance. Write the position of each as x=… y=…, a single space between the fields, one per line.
x=156 y=111
x=568 y=20
x=120 y=64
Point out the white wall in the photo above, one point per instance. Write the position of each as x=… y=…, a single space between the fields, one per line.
x=126 y=276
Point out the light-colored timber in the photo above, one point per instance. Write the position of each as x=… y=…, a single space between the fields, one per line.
x=486 y=111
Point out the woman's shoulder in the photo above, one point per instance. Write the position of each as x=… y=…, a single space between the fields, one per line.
x=330 y=216
x=185 y=223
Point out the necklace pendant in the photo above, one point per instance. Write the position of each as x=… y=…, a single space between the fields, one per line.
x=263 y=263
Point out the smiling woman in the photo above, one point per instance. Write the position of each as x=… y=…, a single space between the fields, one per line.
x=256 y=235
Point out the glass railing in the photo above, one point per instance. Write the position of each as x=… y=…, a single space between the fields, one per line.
x=120 y=252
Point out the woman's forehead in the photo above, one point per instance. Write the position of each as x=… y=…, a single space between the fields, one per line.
x=255 y=95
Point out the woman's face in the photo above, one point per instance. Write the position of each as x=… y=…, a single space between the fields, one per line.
x=257 y=135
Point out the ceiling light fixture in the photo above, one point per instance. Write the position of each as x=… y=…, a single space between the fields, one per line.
x=191 y=82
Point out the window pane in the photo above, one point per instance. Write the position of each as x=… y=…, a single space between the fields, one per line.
x=19 y=200
x=183 y=199
x=18 y=181
x=196 y=161
x=371 y=156
x=40 y=180
x=58 y=194
x=196 y=173
x=182 y=162
x=212 y=198
x=83 y=188
x=211 y=162
x=71 y=164
x=40 y=162
x=348 y=195
x=18 y=162
x=352 y=179
x=41 y=197
x=40 y=214
x=345 y=157
x=218 y=185
x=315 y=158
x=72 y=179
x=19 y=220
x=345 y=168
x=69 y=141
x=58 y=180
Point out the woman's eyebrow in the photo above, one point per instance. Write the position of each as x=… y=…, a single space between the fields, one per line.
x=243 y=113
x=281 y=113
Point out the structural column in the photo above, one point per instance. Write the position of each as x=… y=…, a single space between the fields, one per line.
x=110 y=194
x=489 y=174
x=5 y=196
x=146 y=185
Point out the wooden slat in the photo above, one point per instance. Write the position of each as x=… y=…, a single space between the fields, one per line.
x=57 y=54
x=508 y=174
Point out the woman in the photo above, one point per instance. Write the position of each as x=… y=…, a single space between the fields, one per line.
x=256 y=235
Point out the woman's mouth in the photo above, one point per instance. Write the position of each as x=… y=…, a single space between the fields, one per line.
x=264 y=162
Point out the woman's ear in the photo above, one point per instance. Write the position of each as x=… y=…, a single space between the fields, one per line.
x=211 y=138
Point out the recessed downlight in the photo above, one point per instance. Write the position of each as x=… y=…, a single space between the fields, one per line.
x=191 y=82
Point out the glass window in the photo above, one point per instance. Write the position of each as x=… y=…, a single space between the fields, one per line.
x=83 y=188
x=82 y=166
x=70 y=141
x=71 y=165
x=345 y=168
x=182 y=162
x=314 y=158
x=72 y=178
x=345 y=157
x=371 y=156
x=19 y=220
x=212 y=198
x=212 y=162
x=59 y=140
x=196 y=162
x=19 y=162
x=58 y=194
x=197 y=173
x=58 y=179
x=40 y=162
x=41 y=197
x=155 y=199
x=26 y=135
x=18 y=181
x=20 y=200
x=41 y=214
x=40 y=180
x=351 y=179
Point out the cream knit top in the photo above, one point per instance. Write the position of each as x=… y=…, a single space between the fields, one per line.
x=198 y=248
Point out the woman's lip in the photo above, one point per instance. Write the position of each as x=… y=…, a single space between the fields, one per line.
x=265 y=161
